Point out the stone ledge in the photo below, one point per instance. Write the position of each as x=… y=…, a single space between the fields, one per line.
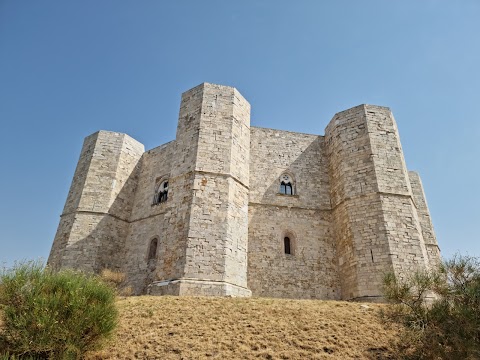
x=195 y=287
x=369 y=298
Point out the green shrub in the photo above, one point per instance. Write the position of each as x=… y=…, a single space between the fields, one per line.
x=54 y=315
x=439 y=309
x=13 y=357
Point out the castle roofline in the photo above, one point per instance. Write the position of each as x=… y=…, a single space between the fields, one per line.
x=287 y=131
x=115 y=133
x=203 y=84
x=218 y=86
x=160 y=146
x=365 y=106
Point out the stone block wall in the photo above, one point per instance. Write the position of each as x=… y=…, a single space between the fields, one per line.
x=404 y=234
x=355 y=212
x=218 y=227
x=376 y=224
x=212 y=154
x=150 y=221
x=311 y=270
x=94 y=223
x=424 y=218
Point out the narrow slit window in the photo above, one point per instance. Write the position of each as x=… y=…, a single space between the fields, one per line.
x=152 y=250
x=286 y=243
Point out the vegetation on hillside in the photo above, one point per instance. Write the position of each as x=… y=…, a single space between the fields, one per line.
x=439 y=309
x=67 y=315
x=53 y=315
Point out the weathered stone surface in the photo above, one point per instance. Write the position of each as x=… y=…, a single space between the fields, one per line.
x=355 y=212
x=95 y=219
x=311 y=271
x=375 y=219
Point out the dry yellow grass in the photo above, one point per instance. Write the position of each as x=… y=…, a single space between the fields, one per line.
x=239 y=328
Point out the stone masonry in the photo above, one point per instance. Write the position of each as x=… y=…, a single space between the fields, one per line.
x=232 y=210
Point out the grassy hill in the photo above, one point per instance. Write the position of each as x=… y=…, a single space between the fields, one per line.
x=255 y=328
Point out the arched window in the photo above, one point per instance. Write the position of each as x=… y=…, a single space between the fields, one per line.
x=161 y=192
x=288 y=242
x=286 y=185
x=152 y=250
x=287 y=245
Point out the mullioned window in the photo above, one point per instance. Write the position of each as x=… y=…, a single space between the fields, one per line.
x=161 y=193
x=287 y=185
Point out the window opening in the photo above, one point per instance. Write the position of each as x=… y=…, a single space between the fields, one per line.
x=286 y=185
x=152 y=251
x=162 y=193
x=286 y=242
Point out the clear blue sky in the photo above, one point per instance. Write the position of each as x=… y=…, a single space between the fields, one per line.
x=70 y=68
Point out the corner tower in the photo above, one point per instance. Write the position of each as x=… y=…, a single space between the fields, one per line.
x=211 y=175
x=94 y=223
x=375 y=217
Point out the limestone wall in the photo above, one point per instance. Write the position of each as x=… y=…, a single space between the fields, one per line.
x=218 y=227
x=310 y=272
x=424 y=218
x=356 y=212
x=406 y=243
x=376 y=224
x=94 y=222
x=212 y=154
x=150 y=221
x=67 y=218
x=274 y=152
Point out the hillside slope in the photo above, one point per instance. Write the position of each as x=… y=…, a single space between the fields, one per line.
x=255 y=328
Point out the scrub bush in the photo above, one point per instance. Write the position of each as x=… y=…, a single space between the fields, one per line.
x=439 y=310
x=54 y=315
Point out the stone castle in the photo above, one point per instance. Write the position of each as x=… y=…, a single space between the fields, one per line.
x=230 y=209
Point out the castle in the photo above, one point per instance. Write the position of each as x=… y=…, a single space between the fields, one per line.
x=230 y=209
